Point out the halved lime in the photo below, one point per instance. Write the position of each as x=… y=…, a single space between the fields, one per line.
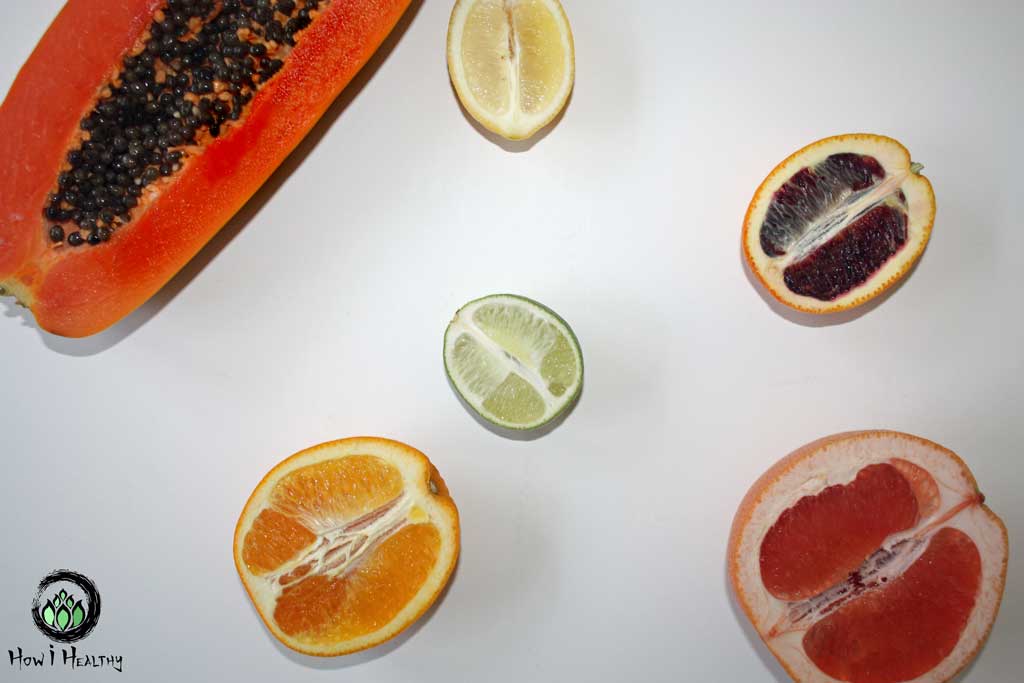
x=513 y=360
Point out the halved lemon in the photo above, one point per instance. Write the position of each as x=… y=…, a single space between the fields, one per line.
x=344 y=545
x=512 y=62
x=513 y=360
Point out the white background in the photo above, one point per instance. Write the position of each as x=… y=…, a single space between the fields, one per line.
x=594 y=553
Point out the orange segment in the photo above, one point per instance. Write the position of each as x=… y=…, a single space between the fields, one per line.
x=273 y=540
x=336 y=491
x=344 y=545
x=820 y=540
x=903 y=630
x=321 y=609
x=926 y=490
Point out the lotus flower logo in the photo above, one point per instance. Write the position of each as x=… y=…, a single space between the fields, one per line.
x=62 y=612
x=72 y=609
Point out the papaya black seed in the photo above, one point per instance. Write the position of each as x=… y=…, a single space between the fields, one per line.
x=178 y=90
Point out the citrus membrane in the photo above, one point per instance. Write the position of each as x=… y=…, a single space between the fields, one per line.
x=513 y=360
x=512 y=62
x=344 y=545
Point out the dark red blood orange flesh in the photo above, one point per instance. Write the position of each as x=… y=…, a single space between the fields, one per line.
x=811 y=194
x=818 y=199
x=906 y=628
x=851 y=257
x=822 y=539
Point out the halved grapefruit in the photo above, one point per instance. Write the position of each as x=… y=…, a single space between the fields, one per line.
x=869 y=557
x=838 y=222
x=344 y=545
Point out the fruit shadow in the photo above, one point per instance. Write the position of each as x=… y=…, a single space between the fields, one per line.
x=519 y=434
x=763 y=653
x=113 y=336
x=820 y=319
x=513 y=146
x=365 y=656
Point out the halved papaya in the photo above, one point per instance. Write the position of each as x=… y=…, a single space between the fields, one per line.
x=137 y=128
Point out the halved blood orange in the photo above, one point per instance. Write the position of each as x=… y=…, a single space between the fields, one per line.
x=869 y=557
x=344 y=545
x=838 y=222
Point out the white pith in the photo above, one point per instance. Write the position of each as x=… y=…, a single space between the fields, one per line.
x=338 y=547
x=526 y=368
x=463 y=324
x=830 y=225
x=416 y=505
x=515 y=123
x=898 y=176
x=836 y=464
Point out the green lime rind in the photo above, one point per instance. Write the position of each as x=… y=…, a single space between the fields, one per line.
x=507 y=395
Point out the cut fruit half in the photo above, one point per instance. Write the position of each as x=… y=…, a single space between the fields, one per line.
x=344 y=545
x=512 y=62
x=869 y=557
x=513 y=360
x=838 y=222
x=138 y=128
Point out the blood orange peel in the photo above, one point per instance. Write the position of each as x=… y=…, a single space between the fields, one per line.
x=916 y=606
x=344 y=545
x=838 y=222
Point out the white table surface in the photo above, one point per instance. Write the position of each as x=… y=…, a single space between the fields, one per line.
x=594 y=553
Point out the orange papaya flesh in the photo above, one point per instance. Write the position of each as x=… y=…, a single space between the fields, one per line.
x=78 y=291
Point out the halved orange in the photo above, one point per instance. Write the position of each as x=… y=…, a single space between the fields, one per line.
x=838 y=222
x=869 y=557
x=345 y=544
